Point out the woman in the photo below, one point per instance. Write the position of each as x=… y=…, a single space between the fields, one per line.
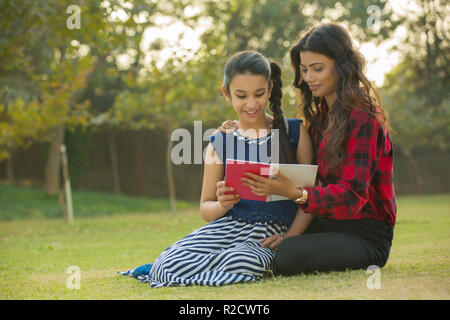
x=354 y=206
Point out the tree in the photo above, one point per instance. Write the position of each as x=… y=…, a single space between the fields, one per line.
x=52 y=62
x=171 y=97
x=54 y=78
x=416 y=91
x=184 y=90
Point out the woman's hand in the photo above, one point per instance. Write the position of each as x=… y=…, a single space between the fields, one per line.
x=261 y=186
x=272 y=242
x=227 y=201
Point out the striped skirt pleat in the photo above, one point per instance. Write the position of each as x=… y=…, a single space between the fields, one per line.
x=222 y=252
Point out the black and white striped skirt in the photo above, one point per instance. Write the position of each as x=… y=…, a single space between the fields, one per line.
x=224 y=251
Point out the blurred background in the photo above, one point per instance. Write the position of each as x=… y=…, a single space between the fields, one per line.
x=113 y=79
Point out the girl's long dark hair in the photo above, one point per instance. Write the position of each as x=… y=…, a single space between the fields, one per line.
x=256 y=64
x=353 y=89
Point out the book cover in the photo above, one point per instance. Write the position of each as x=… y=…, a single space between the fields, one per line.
x=236 y=169
x=302 y=175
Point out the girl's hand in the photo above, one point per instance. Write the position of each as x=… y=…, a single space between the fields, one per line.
x=227 y=201
x=272 y=242
x=261 y=186
x=229 y=126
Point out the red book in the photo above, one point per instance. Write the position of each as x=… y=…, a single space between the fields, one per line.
x=302 y=175
x=236 y=169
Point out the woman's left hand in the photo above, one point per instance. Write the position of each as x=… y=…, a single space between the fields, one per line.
x=261 y=186
x=272 y=242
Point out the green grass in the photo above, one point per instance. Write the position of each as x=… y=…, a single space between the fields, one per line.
x=35 y=254
x=19 y=202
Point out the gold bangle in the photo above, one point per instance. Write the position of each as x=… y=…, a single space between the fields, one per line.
x=303 y=198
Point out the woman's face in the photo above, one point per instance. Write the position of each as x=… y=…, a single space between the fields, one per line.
x=319 y=72
x=248 y=94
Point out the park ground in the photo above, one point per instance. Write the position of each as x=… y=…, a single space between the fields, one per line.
x=36 y=252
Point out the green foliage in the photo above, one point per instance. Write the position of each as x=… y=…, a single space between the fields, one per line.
x=184 y=90
x=75 y=77
x=175 y=96
x=416 y=122
x=416 y=92
x=52 y=76
x=44 y=63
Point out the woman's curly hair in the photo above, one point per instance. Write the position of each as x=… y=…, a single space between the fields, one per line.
x=353 y=89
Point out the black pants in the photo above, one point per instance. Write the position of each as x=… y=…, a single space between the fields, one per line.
x=335 y=245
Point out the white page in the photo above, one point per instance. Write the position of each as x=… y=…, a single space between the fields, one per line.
x=302 y=175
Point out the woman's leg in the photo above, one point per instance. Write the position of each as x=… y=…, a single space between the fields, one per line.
x=329 y=251
x=327 y=246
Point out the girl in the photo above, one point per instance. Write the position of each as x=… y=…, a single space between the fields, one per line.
x=235 y=245
x=355 y=208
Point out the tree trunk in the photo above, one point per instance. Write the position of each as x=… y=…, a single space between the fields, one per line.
x=68 y=205
x=114 y=162
x=443 y=163
x=62 y=203
x=443 y=166
x=53 y=168
x=416 y=171
x=169 y=170
x=139 y=165
x=10 y=168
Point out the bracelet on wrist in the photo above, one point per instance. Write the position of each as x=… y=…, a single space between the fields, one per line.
x=303 y=198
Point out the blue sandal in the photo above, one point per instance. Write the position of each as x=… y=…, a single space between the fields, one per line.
x=140 y=271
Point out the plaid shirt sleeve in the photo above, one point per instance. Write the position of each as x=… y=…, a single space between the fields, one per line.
x=345 y=194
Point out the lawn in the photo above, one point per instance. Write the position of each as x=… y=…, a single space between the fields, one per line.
x=19 y=202
x=35 y=254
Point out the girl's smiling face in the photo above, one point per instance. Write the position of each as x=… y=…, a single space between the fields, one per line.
x=249 y=94
x=319 y=72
